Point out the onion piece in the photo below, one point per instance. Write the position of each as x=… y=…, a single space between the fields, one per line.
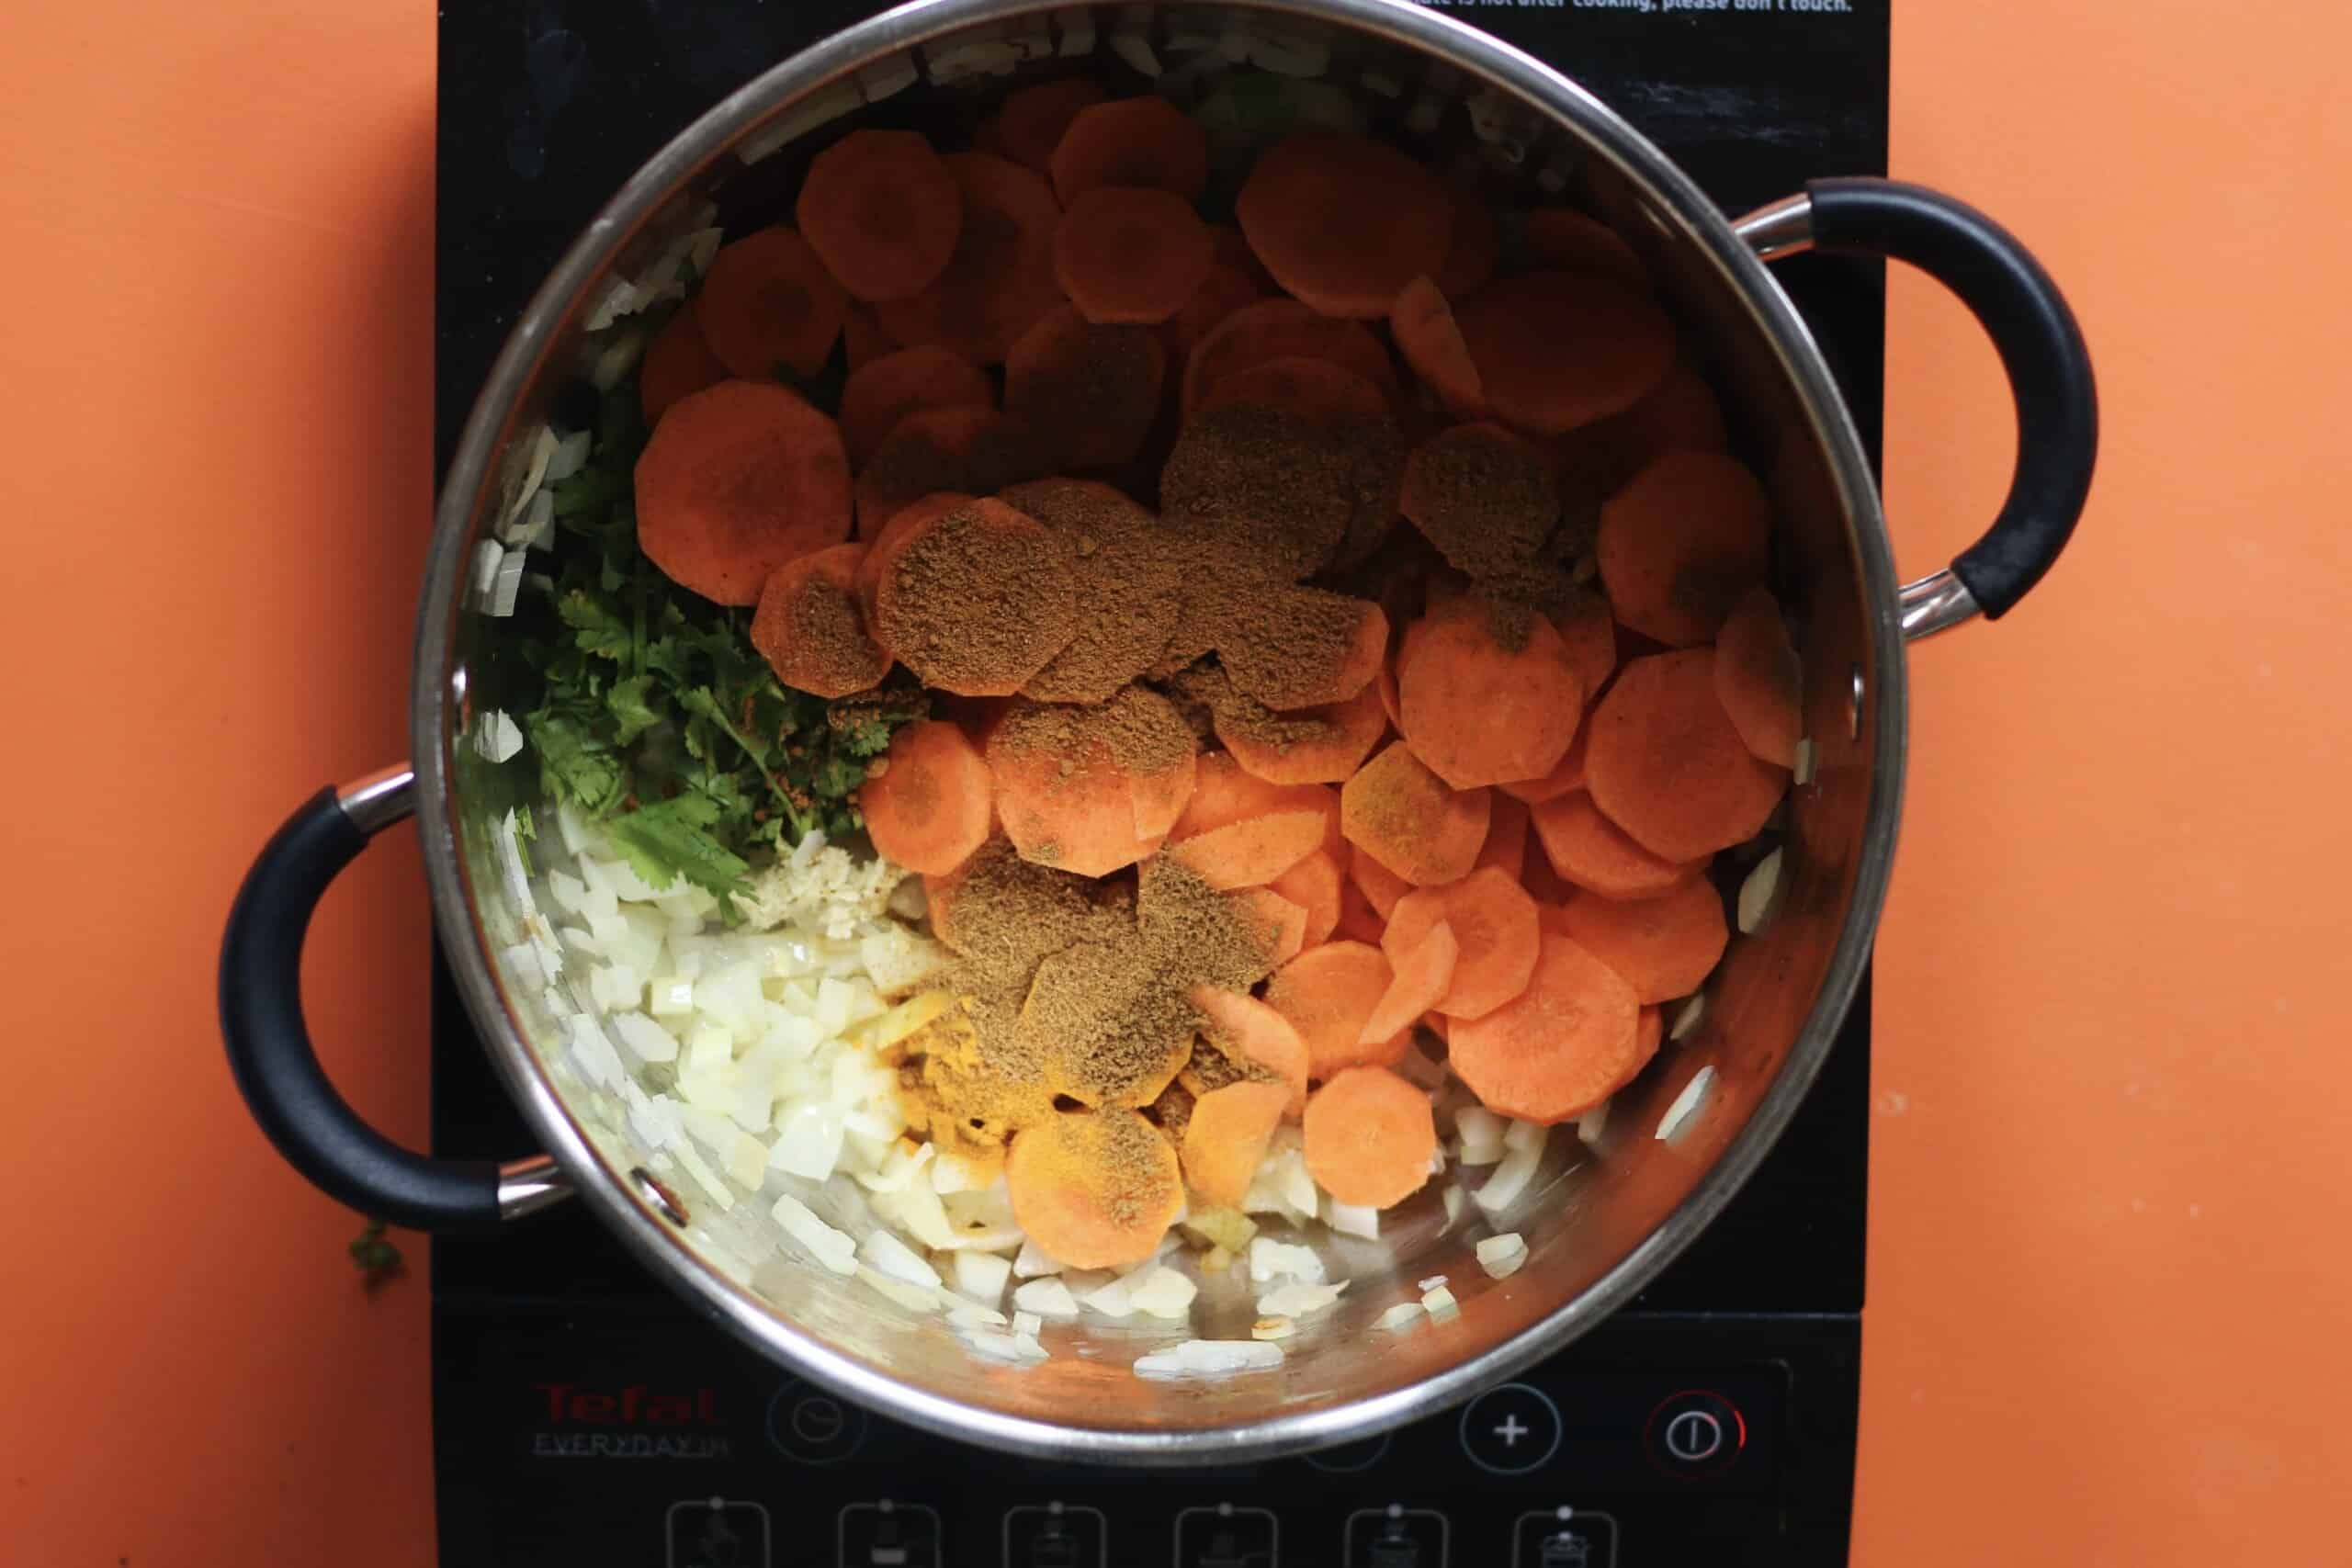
x=1686 y=1104
x=1210 y=1359
x=1502 y=1256
x=1757 y=892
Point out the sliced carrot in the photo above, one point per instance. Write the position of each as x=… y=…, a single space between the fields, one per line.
x=1093 y=391
x=881 y=210
x=1370 y=1135
x=934 y=634
x=862 y=339
x=1506 y=845
x=1227 y=1136
x=1225 y=792
x=677 y=362
x=930 y=805
x=1544 y=886
x=1679 y=411
x=1134 y=609
x=1381 y=887
x=1221 y=293
x=1591 y=853
x=1474 y=244
x=1313 y=389
x=1130 y=255
x=1000 y=278
x=809 y=628
x=1282 y=923
x=1479 y=713
x=1095 y=1189
x=974 y=450
x=1665 y=947
x=1282 y=328
x=1161 y=796
x=1131 y=141
x=1565 y=1043
x=1317 y=745
x=1681 y=543
x=1757 y=679
x=1483 y=496
x=1306 y=647
x=1564 y=238
x=1422 y=323
x=1525 y=332
x=1566 y=778
x=1423 y=971
x=1386 y=684
x=1314 y=884
x=882 y=551
x=1588 y=635
x=1031 y=120
x=736 y=479
x=1493 y=919
x=1245 y=1028
x=885 y=390
x=1359 y=921
x=1344 y=221
x=1667 y=766
x=1253 y=851
x=1405 y=816
x=768 y=301
x=1327 y=993
x=1649 y=1032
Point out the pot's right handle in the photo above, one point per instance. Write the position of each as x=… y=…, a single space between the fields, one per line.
x=277 y=1068
x=2041 y=350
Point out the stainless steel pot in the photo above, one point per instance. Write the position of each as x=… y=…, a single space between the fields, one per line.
x=1602 y=1222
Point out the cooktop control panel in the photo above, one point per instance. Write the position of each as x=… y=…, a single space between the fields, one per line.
x=615 y=1440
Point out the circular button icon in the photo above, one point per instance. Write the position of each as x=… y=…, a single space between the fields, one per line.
x=1510 y=1430
x=809 y=1426
x=1695 y=1433
x=1350 y=1458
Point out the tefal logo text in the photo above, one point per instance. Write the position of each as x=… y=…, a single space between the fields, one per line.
x=598 y=1407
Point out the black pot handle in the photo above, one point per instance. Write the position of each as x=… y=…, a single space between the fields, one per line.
x=2041 y=350
x=276 y=1065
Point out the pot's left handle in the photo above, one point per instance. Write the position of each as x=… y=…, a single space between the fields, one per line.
x=277 y=1068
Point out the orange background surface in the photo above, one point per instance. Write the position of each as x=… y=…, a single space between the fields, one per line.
x=2109 y=1288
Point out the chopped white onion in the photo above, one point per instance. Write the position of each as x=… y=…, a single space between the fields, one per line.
x=1501 y=1256
x=1808 y=757
x=1162 y=1291
x=1047 y=1297
x=647 y=1040
x=1113 y=1300
x=835 y=1249
x=1686 y=1022
x=1482 y=1135
x=1440 y=1304
x=1032 y=1261
x=1351 y=1219
x=972 y=1314
x=1298 y=1299
x=1400 y=1315
x=571 y=453
x=1756 y=891
x=1016 y=1348
x=982 y=1275
x=1686 y=1104
x=1210 y=1359
x=1526 y=1135
x=1508 y=1181
x=905 y=1292
x=1432 y=1283
x=1273 y=1328
x=1270 y=1259
x=497 y=737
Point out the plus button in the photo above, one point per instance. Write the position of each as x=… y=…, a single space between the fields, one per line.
x=1510 y=1430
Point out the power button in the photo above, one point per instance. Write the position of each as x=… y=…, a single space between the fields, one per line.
x=1695 y=1433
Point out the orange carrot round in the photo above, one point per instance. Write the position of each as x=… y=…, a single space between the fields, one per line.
x=1226 y=792
x=985 y=542
x=882 y=551
x=1405 y=816
x=1589 y=636
x=1479 y=712
x=1665 y=947
x=1565 y=1043
x=1031 y=120
x=1423 y=971
x=966 y=447
x=1282 y=328
x=1506 y=845
x=1564 y=239
x=1556 y=350
x=1591 y=853
x=768 y=301
x=1095 y=1189
x=1000 y=278
x=1422 y=323
x=736 y=479
x=1252 y=852
x=885 y=390
x=1381 y=887
x=1473 y=247
x=1248 y=1030
x=930 y=805
x=1312 y=389
x=1493 y=920
x=1344 y=221
x=1483 y=496
x=1369 y=1138
x=862 y=339
x=1317 y=745
x=1359 y=921
x=1293 y=671
x=1328 y=993
x=1161 y=794
x=882 y=211
x=809 y=628
x=1131 y=141
x=1093 y=391
x=1667 y=766
x=1566 y=776
x=677 y=362
x=1681 y=543
x=1130 y=254
x=1222 y=292
x=1282 y=923
x=1757 y=677
x=1313 y=885
x=1227 y=1137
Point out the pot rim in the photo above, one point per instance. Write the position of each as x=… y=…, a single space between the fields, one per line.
x=641 y=1228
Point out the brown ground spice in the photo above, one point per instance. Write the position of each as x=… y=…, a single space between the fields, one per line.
x=1257 y=484
x=967 y=451
x=1138 y=729
x=1127 y=1165
x=1172 y=1111
x=1113 y=1030
x=1281 y=643
x=1092 y=387
x=821 y=632
x=1131 y=577
x=978 y=602
x=1483 y=497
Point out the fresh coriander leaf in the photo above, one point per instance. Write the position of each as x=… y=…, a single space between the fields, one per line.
x=376 y=1257
x=671 y=839
x=631 y=705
